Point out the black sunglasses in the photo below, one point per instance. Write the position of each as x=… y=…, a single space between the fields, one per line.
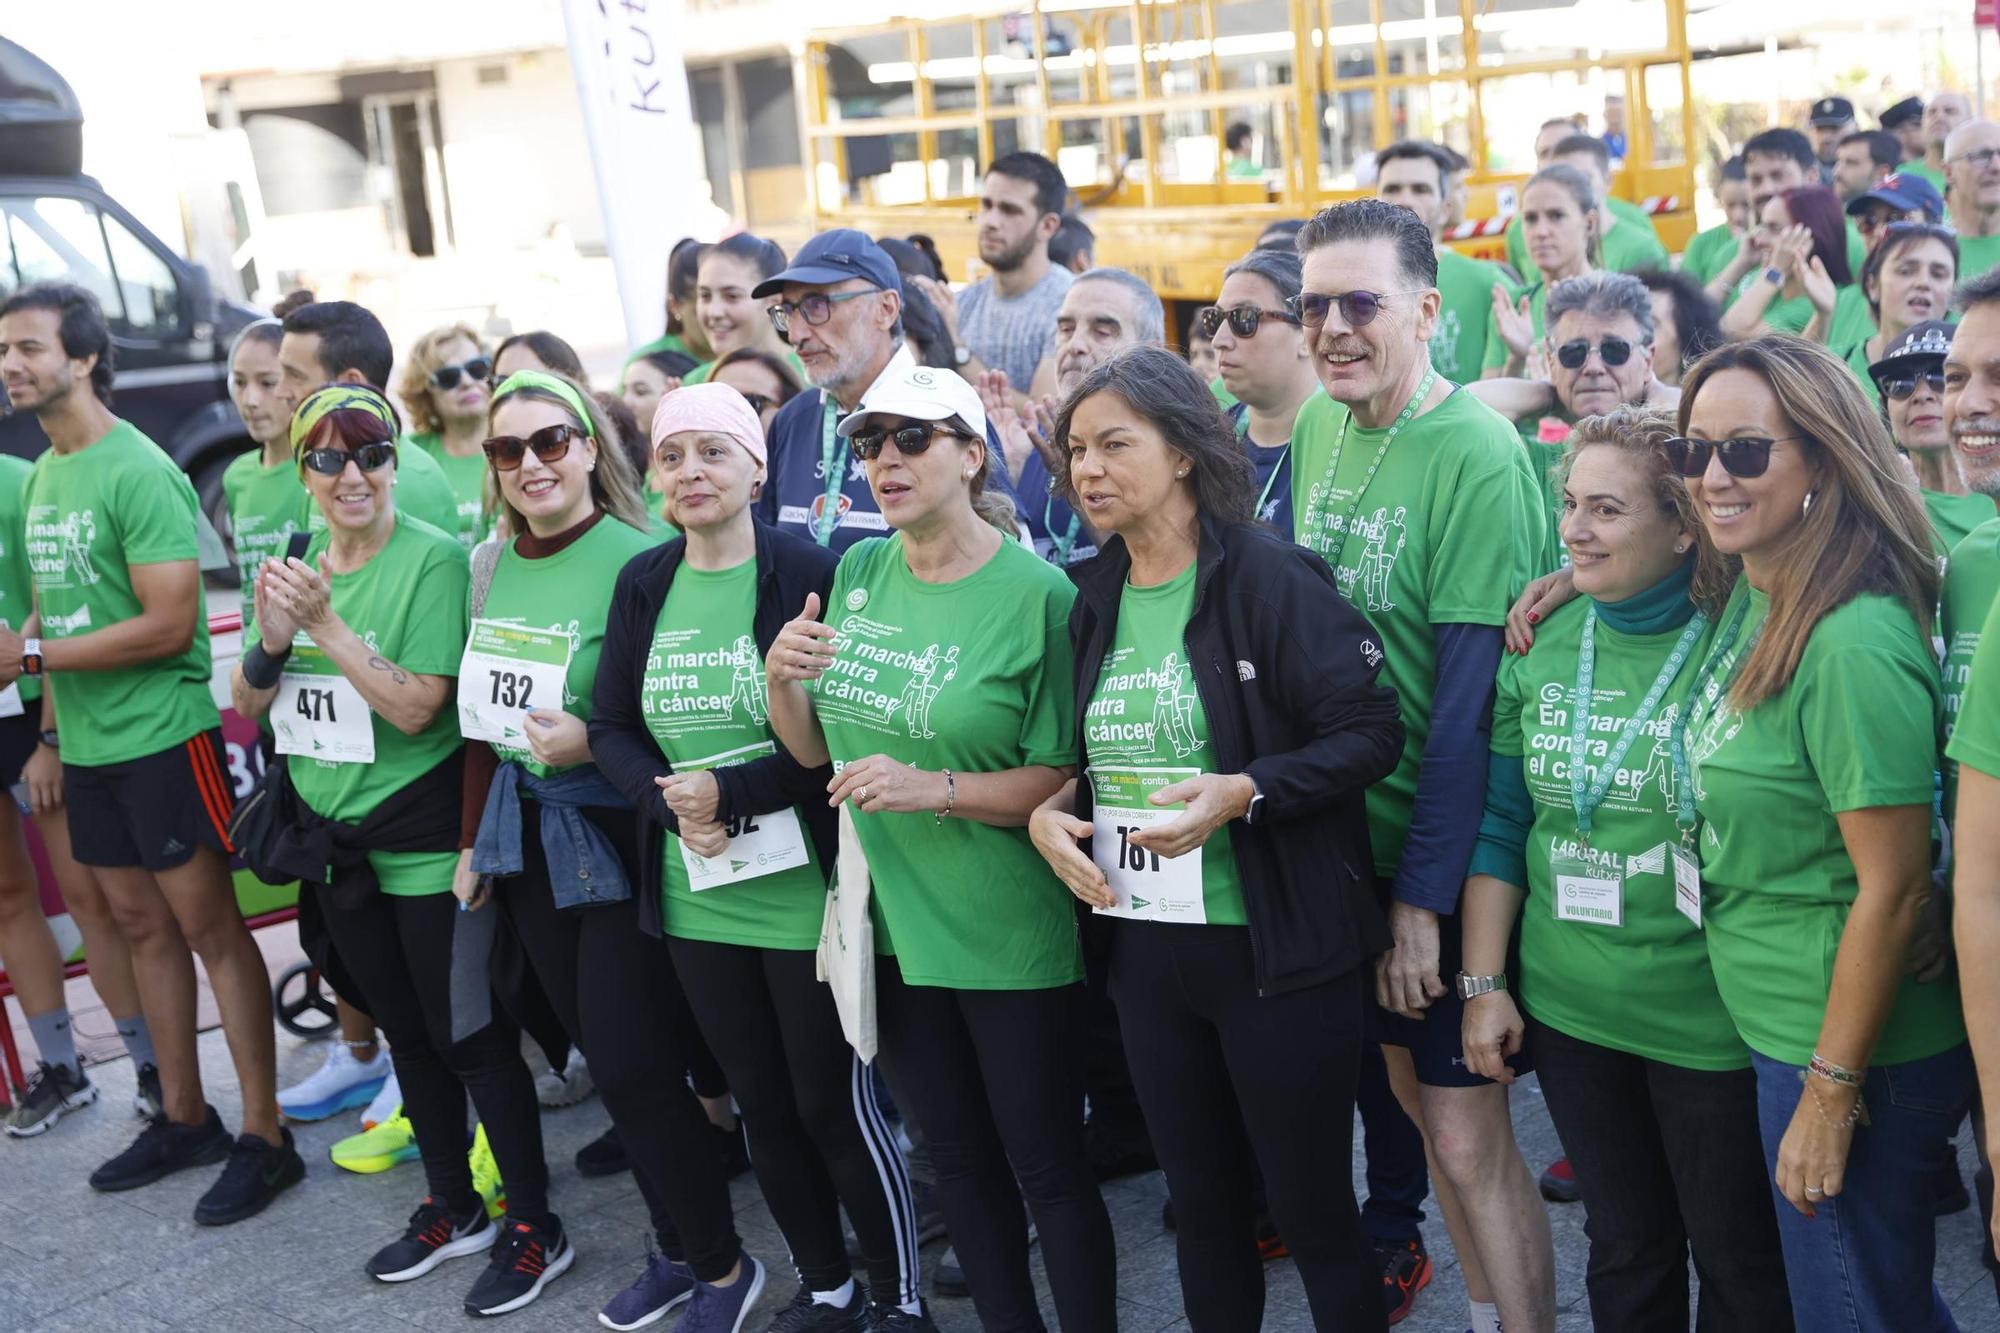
x=1744 y=456
x=1356 y=308
x=332 y=462
x=550 y=443
x=1572 y=355
x=1901 y=389
x=479 y=369
x=1243 y=319
x=910 y=440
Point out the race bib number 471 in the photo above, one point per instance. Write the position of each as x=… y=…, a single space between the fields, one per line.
x=506 y=671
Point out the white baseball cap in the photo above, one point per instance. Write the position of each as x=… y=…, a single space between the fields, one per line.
x=919 y=393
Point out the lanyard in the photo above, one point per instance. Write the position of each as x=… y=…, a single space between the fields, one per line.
x=1584 y=796
x=1277 y=469
x=1340 y=447
x=1684 y=816
x=1063 y=543
x=829 y=511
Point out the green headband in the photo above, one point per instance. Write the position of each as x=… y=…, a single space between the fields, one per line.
x=321 y=403
x=547 y=383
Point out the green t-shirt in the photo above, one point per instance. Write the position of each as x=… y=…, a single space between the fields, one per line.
x=1465 y=315
x=700 y=374
x=1496 y=346
x=266 y=506
x=1631 y=245
x=1223 y=398
x=1708 y=253
x=1146 y=677
x=1971 y=587
x=1654 y=960
x=1450 y=530
x=1975 y=734
x=1858 y=361
x=91 y=516
x=975 y=675
x=1954 y=517
x=1851 y=731
x=1857 y=254
x=666 y=342
x=408 y=605
x=704 y=701
x=1976 y=255
x=17 y=594
x=1920 y=168
x=1852 y=322
x=422 y=490
x=574 y=586
x=466 y=475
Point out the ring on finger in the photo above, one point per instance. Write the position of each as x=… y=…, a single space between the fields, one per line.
x=1814 y=1189
x=863 y=794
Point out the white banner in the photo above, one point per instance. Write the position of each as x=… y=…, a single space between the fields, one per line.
x=626 y=57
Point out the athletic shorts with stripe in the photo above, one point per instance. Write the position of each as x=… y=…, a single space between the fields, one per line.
x=152 y=811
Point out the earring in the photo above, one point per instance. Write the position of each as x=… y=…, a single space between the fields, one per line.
x=1680 y=548
x=1806 y=509
x=1182 y=473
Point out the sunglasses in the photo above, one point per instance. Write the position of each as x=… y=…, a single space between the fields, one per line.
x=1572 y=355
x=816 y=309
x=370 y=457
x=910 y=440
x=1356 y=308
x=476 y=370
x=1243 y=319
x=550 y=443
x=1900 y=389
x=1744 y=456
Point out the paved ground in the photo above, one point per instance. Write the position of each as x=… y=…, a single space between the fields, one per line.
x=71 y=1259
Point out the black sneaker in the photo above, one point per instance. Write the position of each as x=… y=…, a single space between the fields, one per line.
x=434 y=1236
x=147 y=1099
x=161 y=1149
x=258 y=1172
x=603 y=1156
x=886 y=1318
x=525 y=1259
x=53 y=1090
x=947 y=1278
x=805 y=1315
x=1406 y=1270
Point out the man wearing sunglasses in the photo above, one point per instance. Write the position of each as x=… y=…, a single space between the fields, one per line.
x=1421 y=500
x=1419 y=176
x=1972 y=156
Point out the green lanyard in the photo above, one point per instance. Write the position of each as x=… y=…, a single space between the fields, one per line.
x=1684 y=815
x=1063 y=543
x=1243 y=433
x=1340 y=447
x=829 y=510
x=1586 y=796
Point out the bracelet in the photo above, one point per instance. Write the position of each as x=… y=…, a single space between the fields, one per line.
x=950 y=797
x=1833 y=1073
x=1857 y=1115
x=261 y=669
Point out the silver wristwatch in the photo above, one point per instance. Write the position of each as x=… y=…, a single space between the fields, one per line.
x=1470 y=986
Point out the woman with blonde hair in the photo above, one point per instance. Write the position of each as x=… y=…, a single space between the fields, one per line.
x=444 y=389
x=1809 y=745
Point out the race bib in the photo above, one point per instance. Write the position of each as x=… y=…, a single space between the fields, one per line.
x=1150 y=887
x=10 y=701
x=507 y=670
x=319 y=714
x=759 y=845
x=1586 y=892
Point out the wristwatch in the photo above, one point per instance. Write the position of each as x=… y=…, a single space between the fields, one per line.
x=31 y=657
x=1775 y=276
x=961 y=355
x=1470 y=987
x=1256 y=802
x=50 y=739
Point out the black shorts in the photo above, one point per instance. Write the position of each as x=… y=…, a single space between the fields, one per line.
x=18 y=738
x=1436 y=1041
x=152 y=811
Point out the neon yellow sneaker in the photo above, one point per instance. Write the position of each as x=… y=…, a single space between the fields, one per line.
x=389 y=1144
x=486 y=1175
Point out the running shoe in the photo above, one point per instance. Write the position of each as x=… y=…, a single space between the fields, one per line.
x=258 y=1172
x=342 y=1083
x=716 y=1309
x=806 y=1315
x=387 y=1102
x=1270 y=1245
x=161 y=1149
x=567 y=1088
x=53 y=1091
x=885 y=1318
x=659 y=1289
x=433 y=1236
x=147 y=1099
x=603 y=1156
x=390 y=1143
x=1406 y=1270
x=525 y=1259
x=486 y=1175
x=947 y=1278
x=1558 y=1183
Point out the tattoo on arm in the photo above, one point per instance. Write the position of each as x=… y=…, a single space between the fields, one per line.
x=396 y=673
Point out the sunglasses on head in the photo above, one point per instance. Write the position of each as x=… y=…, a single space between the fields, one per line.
x=550 y=443
x=1743 y=456
x=477 y=370
x=1356 y=308
x=1242 y=320
x=1901 y=389
x=909 y=440
x=332 y=462
x=1572 y=355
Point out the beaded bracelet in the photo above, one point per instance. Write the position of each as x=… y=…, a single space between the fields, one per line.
x=950 y=797
x=1833 y=1073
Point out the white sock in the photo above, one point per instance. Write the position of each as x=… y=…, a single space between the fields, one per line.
x=838 y=1299
x=1485 y=1317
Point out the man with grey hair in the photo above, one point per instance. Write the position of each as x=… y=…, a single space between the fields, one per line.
x=1105 y=311
x=1972 y=156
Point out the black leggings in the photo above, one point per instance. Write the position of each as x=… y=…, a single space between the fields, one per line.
x=398 y=951
x=1213 y=1059
x=818 y=1139
x=995 y=1077
x=615 y=990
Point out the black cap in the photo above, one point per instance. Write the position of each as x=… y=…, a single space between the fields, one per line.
x=1909 y=111
x=1832 y=111
x=1922 y=347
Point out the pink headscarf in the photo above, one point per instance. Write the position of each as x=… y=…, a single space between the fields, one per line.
x=715 y=409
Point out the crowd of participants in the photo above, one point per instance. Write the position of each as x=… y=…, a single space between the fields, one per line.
x=941 y=748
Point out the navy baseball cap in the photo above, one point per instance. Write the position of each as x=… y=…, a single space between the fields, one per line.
x=1909 y=111
x=1904 y=191
x=836 y=256
x=1922 y=347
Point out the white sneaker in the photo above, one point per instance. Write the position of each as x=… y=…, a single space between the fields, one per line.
x=341 y=1084
x=569 y=1087
x=386 y=1101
